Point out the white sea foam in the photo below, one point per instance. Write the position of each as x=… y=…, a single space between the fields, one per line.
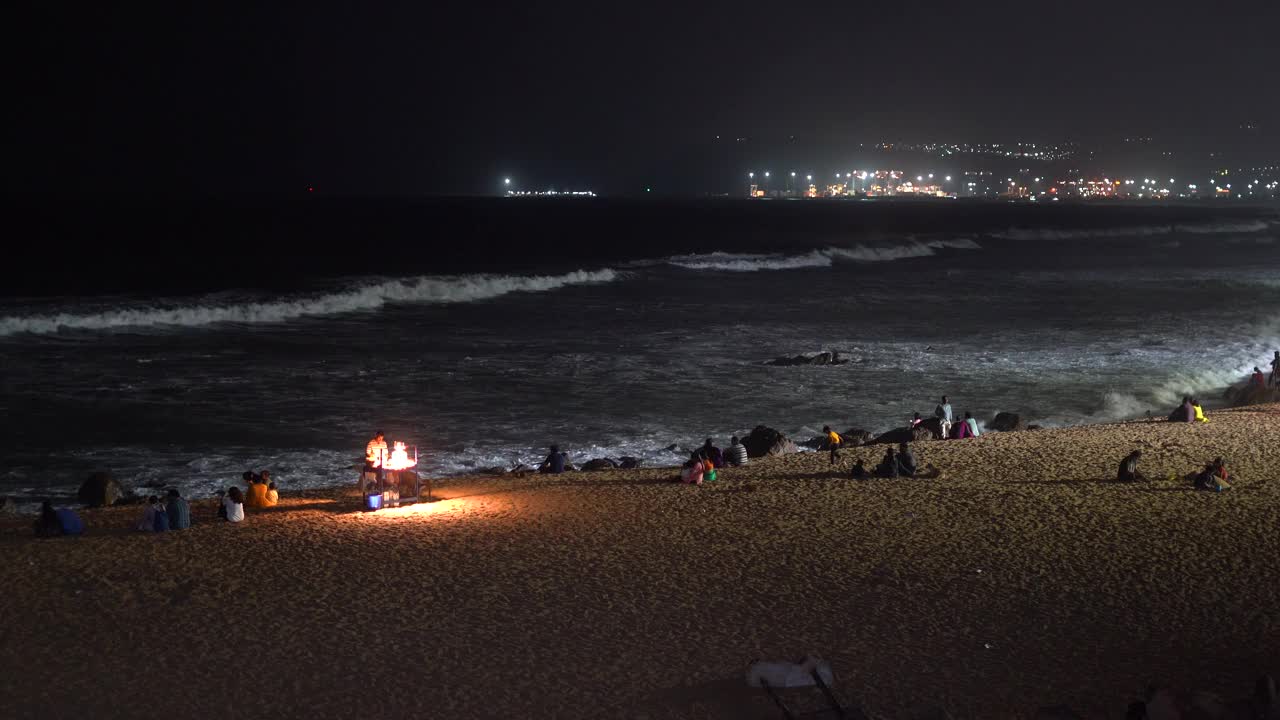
x=750 y=262
x=418 y=290
x=1251 y=226
x=754 y=262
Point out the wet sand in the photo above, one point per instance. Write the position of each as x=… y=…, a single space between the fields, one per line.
x=1024 y=577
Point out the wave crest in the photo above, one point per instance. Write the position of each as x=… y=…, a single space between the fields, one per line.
x=754 y=262
x=419 y=290
x=1251 y=226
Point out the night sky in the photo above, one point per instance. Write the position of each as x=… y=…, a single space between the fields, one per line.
x=450 y=97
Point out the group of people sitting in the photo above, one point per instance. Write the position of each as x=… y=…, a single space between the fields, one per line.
x=702 y=463
x=259 y=492
x=172 y=514
x=967 y=427
x=900 y=462
x=1214 y=476
x=1189 y=411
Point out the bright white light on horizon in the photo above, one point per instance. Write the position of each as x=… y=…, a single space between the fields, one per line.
x=948 y=178
x=793 y=173
x=506 y=181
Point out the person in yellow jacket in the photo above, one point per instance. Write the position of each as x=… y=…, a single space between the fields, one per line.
x=834 y=441
x=255 y=492
x=1195 y=405
x=270 y=496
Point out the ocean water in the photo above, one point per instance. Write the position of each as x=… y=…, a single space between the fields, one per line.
x=612 y=348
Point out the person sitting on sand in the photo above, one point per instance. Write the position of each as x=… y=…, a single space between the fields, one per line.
x=943 y=413
x=47 y=524
x=973 y=425
x=268 y=498
x=916 y=419
x=906 y=461
x=859 y=470
x=555 y=461
x=834 y=441
x=256 y=493
x=1128 y=471
x=691 y=471
x=178 y=510
x=960 y=430
x=1213 y=477
x=888 y=467
x=1258 y=381
x=1184 y=412
x=149 y=510
x=1197 y=411
x=712 y=453
x=233 y=505
x=736 y=454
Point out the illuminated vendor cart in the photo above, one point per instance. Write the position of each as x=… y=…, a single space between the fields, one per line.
x=390 y=479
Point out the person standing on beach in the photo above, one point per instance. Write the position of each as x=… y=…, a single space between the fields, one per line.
x=1275 y=370
x=834 y=441
x=943 y=413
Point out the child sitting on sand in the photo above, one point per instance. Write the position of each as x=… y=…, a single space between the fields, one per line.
x=691 y=471
x=233 y=506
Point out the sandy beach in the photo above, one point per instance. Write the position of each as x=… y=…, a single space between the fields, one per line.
x=1024 y=578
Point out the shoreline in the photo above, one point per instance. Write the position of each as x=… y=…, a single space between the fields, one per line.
x=622 y=593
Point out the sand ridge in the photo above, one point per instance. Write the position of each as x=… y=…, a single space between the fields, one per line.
x=1023 y=578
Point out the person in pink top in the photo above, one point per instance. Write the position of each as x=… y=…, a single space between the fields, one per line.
x=691 y=472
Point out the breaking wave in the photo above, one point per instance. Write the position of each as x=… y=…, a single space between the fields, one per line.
x=754 y=262
x=418 y=290
x=1251 y=226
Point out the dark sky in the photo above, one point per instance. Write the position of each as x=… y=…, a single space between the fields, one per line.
x=449 y=97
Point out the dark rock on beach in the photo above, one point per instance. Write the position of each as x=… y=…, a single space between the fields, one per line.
x=764 y=441
x=100 y=489
x=854 y=437
x=8 y=506
x=1007 y=422
x=919 y=433
x=599 y=464
x=628 y=463
x=1250 y=394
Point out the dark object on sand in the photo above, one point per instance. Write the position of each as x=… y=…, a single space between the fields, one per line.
x=853 y=437
x=822 y=358
x=628 y=463
x=930 y=429
x=599 y=464
x=100 y=490
x=8 y=506
x=766 y=441
x=1007 y=422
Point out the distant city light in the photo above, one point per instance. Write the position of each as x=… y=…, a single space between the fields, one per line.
x=506 y=181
